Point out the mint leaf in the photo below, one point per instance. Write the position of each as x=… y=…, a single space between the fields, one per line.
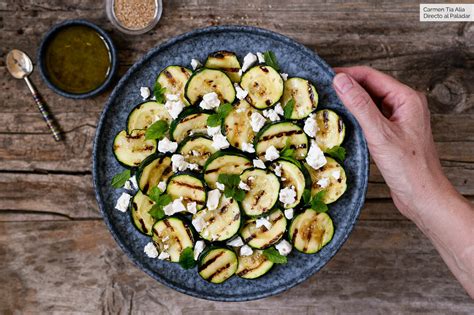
x=306 y=196
x=186 y=259
x=155 y=194
x=157 y=130
x=317 y=202
x=120 y=179
x=288 y=109
x=270 y=59
x=337 y=152
x=239 y=195
x=213 y=120
x=287 y=151
x=159 y=93
x=231 y=183
x=157 y=212
x=274 y=256
x=224 y=110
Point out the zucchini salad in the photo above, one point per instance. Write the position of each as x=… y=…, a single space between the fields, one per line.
x=230 y=167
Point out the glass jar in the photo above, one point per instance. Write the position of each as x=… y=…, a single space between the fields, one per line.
x=125 y=15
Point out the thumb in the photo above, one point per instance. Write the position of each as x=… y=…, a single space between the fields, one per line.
x=361 y=105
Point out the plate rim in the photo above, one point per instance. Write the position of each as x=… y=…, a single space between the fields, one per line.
x=111 y=98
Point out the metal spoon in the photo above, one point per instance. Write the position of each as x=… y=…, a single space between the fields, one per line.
x=20 y=67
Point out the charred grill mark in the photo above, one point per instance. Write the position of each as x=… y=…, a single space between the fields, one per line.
x=142 y=224
x=145 y=188
x=137 y=135
x=339 y=180
x=190 y=234
x=188 y=118
x=326 y=119
x=295 y=234
x=277 y=218
x=264 y=69
x=197 y=201
x=251 y=237
x=246 y=271
x=259 y=195
x=233 y=70
x=268 y=102
x=236 y=217
x=168 y=74
x=310 y=92
x=224 y=209
x=309 y=233
x=155 y=232
x=167 y=171
x=184 y=71
x=221 y=54
x=218 y=271
x=210 y=261
x=188 y=185
x=144 y=148
x=282 y=134
x=275 y=239
x=134 y=206
x=340 y=125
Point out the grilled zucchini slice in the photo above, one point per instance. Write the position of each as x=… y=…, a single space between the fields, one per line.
x=152 y=171
x=172 y=235
x=189 y=123
x=304 y=94
x=189 y=188
x=221 y=223
x=263 y=193
x=291 y=175
x=206 y=81
x=141 y=219
x=262 y=237
x=224 y=163
x=237 y=126
x=310 y=231
x=196 y=149
x=174 y=79
x=145 y=114
x=225 y=61
x=264 y=84
x=253 y=266
x=217 y=265
x=281 y=134
x=331 y=129
x=131 y=149
x=337 y=184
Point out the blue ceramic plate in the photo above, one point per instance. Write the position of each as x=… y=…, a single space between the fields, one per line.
x=294 y=59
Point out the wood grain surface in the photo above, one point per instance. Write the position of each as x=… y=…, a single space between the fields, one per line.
x=56 y=255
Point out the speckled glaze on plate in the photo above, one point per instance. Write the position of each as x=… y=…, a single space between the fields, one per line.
x=294 y=59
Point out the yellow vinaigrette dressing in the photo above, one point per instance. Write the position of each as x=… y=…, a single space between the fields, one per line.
x=77 y=59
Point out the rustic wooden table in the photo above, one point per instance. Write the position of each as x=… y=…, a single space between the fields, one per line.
x=56 y=254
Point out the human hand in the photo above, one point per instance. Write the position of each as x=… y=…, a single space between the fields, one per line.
x=398 y=135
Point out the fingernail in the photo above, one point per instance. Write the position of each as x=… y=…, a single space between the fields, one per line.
x=342 y=82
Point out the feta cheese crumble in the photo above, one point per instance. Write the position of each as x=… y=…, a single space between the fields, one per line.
x=212 y=131
x=213 y=199
x=323 y=182
x=210 y=101
x=284 y=76
x=336 y=174
x=240 y=92
x=192 y=207
x=122 y=202
x=277 y=169
x=248 y=147
x=263 y=222
x=198 y=248
x=284 y=247
x=163 y=255
x=173 y=105
x=220 y=186
x=261 y=57
x=219 y=141
x=235 y=242
x=289 y=213
x=311 y=126
x=162 y=186
x=271 y=114
x=288 y=195
x=259 y=164
x=131 y=183
x=249 y=60
x=199 y=224
x=174 y=207
x=315 y=157
x=178 y=163
x=150 y=250
x=278 y=109
x=244 y=186
x=257 y=121
x=145 y=92
x=246 y=250
x=271 y=153
x=195 y=64
x=165 y=145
